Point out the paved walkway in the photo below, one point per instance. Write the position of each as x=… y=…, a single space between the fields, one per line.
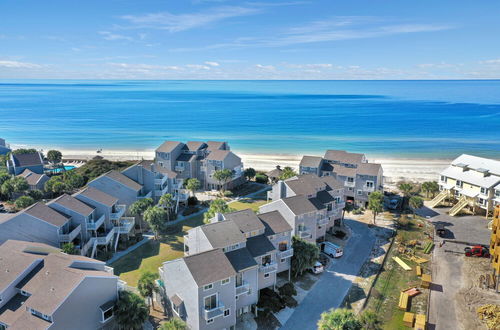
x=330 y=290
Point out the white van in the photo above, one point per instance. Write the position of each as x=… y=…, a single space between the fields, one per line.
x=331 y=249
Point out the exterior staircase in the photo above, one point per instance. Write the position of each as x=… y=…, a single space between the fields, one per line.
x=438 y=199
x=117 y=239
x=462 y=202
x=94 y=248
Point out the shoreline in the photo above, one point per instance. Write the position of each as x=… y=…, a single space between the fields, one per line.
x=395 y=169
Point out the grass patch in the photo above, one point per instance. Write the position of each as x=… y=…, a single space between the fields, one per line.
x=151 y=255
x=246 y=203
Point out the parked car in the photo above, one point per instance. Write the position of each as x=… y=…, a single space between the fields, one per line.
x=331 y=249
x=440 y=230
x=318 y=268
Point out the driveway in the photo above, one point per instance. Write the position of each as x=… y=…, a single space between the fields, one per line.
x=330 y=290
x=448 y=261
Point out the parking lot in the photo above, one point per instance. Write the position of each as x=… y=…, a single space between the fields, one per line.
x=448 y=265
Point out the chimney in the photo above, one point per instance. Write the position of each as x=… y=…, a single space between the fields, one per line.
x=281 y=189
x=278 y=167
x=218 y=217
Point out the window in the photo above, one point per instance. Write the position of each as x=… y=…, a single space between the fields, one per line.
x=283 y=260
x=360 y=192
x=266 y=260
x=209 y=321
x=227 y=312
x=369 y=184
x=459 y=184
x=106 y=315
x=484 y=191
x=176 y=309
x=208 y=286
x=329 y=207
x=266 y=275
x=225 y=281
x=283 y=246
x=350 y=179
x=211 y=302
x=443 y=178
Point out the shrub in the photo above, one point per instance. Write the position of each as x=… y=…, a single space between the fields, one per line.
x=192 y=201
x=271 y=300
x=228 y=193
x=287 y=289
x=35 y=194
x=261 y=178
x=289 y=301
x=23 y=202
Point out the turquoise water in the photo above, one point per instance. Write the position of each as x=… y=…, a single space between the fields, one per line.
x=388 y=118
x=66 y=168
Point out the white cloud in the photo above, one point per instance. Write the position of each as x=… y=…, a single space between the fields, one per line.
x=113 y=36
x=265 y=67
x=311 y=66
x=19 y=65
x=197 y=66
x=210 y=63
x=493 y=61
x=181 y=22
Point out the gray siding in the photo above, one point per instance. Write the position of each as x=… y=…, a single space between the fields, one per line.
x=124 y=194
x=27 y=228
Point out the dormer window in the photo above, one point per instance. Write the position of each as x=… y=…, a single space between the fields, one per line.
x=484 y=191
x=459 y=184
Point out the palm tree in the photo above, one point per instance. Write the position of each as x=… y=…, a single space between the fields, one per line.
x=339 y=319
x=167 y=202
x=155 y=217
x=376 y=203
x=131 y=311
x=54 y=157
x=192 y=185
x=223 y=176
x=146 y=285
x=416 y=203
x=407 y=189
x=370 y=320
x=287 y=173
x=173 y=324
x=347 y=208
x=216 y=206
x=138 y=208
x=69 y=248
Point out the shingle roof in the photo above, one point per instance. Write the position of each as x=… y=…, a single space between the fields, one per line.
x=371 y=169
x=196 y=145
x=324 y=197
x=185 y=157
x=276 y=173
x=332 y=182
x=218 y=154
x=317 y=203
x=327 y=167
x=43 y=212
x=168 y=146
x=274 y=223
x=73 y=204
x=306 y=184
x=241 y=259
x=212 y=145
x=124 y=180
x=344 y=156
x=345 y=171
x=246 y=220
x=299 y=204
x=222 y=234
x=311 y=161
x=31 y=177
x=259 y=245
x=27 y=159
x=98 y=196
x=209 y=266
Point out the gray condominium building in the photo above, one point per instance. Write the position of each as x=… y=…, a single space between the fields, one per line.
x=310 y=204
x=226 y=263
x=360 y=177
x=43 y=288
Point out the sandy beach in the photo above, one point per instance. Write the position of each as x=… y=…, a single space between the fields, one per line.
x=417 y=170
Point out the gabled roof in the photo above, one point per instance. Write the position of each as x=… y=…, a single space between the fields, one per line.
x=196 y=145
x=41 y=211
x=246 y=220
x=478 y=163
x=259 y=245
x=327 y=167
x=274 y=223
x=222 y=234
x=185 y=157
x=311 y=161
x=344 y=156
x=471 y=176
x=213 y=145
x=276 y=173
x=21 y=160
x=371 y=169
x=332 y=183
x=73 y=204
x=98 y=196
x=306 y=184
x=345 y=171
x=124 y=180
x=209 y=266
x=218 y=154
x=241 y=259
x=324 y=197
x=299 y=204
x=168 y=146
x=31 y=177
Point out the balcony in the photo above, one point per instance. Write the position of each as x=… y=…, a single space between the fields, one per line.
x=105 y=238
x=93 y=225
x=304 y=233
x=349 y=184
x=119 y=211
x=214 y=312
x=323 y=221
x=269 y=268
x=68 y=237
x=161 y=182
x=243 y=288
x=285 y=254
x=125 y=225
x=179 y=168
x=368 y=189
x=148 y=195
x=340 y=205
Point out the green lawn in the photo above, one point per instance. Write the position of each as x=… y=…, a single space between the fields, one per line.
x=151 y=255
x=246 y=203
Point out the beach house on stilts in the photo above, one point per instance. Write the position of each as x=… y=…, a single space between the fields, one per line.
x=470 y=185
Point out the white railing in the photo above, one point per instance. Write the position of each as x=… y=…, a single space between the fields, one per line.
x=179 y=168
x=109 y=270
x=269 y=268
x=349 y=184
x=103 y=240
x=87 y=246
x=285 y=254
x=368 y=189
x=71 y=235
x=119 y=211
x=304 y=233
x=323 y=221
x=148 y=195
x=122 y=285
x=161 y=181
x=125 y=225
x=243 y=288
x=214 y=312
x=96 y=224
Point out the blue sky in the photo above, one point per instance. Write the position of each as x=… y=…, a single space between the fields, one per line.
x=217 y=39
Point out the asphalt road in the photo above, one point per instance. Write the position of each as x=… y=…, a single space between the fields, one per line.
x=330 y=290
x=448 y=261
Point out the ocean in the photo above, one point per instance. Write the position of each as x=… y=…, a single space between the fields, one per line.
x=398 y=119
